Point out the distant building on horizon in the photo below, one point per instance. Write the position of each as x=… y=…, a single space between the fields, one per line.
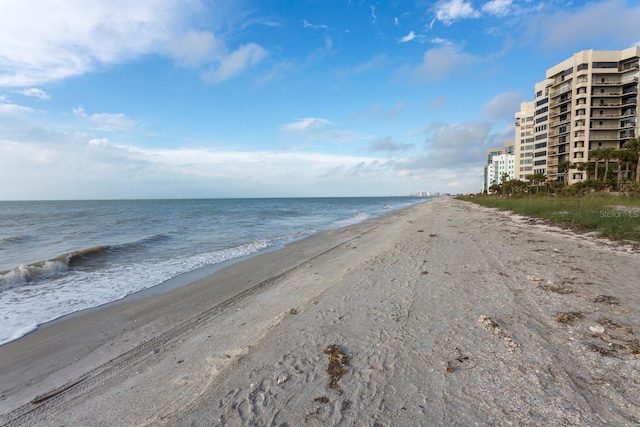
x=586 y=102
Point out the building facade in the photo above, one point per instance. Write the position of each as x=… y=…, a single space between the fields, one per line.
x=587 y=102
x=500 y=161
x=524 y=141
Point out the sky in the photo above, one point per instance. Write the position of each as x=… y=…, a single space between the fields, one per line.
x=130 y=99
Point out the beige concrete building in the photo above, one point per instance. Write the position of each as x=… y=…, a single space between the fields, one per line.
x=586 y=102
x=523 y=148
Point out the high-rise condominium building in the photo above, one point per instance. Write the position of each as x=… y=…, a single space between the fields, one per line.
x=524 y=141
x=586 y=102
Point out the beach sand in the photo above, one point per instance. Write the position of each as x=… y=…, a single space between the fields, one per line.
x=445 y=313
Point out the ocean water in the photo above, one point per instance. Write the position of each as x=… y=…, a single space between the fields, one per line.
x=59 y=257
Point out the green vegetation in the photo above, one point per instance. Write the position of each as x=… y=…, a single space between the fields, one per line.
x=613 y=216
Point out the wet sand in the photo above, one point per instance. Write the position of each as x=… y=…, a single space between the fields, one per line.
x=445 y=313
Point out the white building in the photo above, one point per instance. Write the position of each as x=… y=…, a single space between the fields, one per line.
x=500 y=165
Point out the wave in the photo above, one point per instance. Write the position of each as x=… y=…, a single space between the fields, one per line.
x=11 y=240
x=359 y=217
x=84 y=258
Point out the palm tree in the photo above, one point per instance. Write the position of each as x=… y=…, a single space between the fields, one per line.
x=535 y=179
x=596 y=155
x=564 y=166
x=633 y=145
x=607 y=154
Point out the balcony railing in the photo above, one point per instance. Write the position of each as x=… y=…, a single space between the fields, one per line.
x=556 y=92
x=605 y=104
x=559 y=102
x=607 y=115
x=598 y=137
x=607 y=126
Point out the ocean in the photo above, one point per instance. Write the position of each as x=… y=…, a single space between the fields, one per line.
x=60 y=257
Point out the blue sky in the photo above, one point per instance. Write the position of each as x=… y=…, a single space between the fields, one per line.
x=104 y=99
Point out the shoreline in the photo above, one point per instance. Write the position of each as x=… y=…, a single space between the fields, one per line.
x=82 y=336
x=444 y=313
x=181 y=279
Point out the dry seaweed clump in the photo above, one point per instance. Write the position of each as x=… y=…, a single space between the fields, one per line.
x=338 y=361
x=569 y=317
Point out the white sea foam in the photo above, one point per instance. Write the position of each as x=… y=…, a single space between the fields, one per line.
x=101 y=251
x=26 y=306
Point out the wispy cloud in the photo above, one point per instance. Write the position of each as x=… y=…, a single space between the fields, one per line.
x=363 y=67
x=377 y=112
x=503 y=106
x=611 y=22
x=307 y=24
x=117 y=122
x=14 y=109
x=453 y=10
x=35 y=93
x=306 y=125
x=66 y=39
x=497 y=7
x=195 y=48
x=235 y=62
x=388 y=145
x=440 y=63
x=408 y=37
x=316 y=129
x=451 y=146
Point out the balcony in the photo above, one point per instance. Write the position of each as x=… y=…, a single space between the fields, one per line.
x=605 y=104
x=603 y=137
x=555 y=123
x=607 y=115
x=557 y=92
x=606 y=126
x=562 y=100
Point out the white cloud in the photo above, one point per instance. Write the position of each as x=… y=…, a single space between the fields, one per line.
x=65 y=39
x=363 y=67
x=611 y=22
x=388 y=145
x=306 y=125
x=125 y=171
x=374 y=18
x=497 y=7
x=453 y=10
x=503 y=106
x=195 y=48
x=35 y=92
x=116 y=122
x=377 y=112
x=235 y=62
x=99 y=142
x=48 y=41
x=408 y=37
x=440 y=63
x=14 y=109
x=307 y=24
x=314 y=129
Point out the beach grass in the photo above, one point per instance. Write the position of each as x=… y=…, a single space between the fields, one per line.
x=613 y=216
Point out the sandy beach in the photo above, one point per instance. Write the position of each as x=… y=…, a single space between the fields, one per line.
x=445 y=313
